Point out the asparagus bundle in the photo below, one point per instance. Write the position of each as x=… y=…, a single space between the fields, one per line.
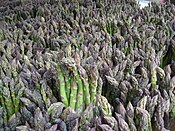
x=82 y=87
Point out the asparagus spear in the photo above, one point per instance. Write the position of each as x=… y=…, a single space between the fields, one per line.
x=43 y=92
x=93 y=83
x=80 y=90
x=99 y=87
x=2 y=101
x=62 y=86
x=12 y=94
x=84 y=79
x=67 y=82
x=73 y=93
x=153 y=74
x=7 y=97
x=20 y=86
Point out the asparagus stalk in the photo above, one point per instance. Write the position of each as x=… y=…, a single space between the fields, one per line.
x=84 y=79
x=43 y=92
x=67 y=83
x=99 y=87
x=1 y=116
x=73 y=93
x=21 y=87
x=153 y=74
x=12 y=94
x=80 y=90
x=79 y=81
x=62 y=86
x=93 y=83
x=2 y=101
x=7 y=97
x=8 y=101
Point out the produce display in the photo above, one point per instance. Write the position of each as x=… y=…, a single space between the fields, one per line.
x=69 y=65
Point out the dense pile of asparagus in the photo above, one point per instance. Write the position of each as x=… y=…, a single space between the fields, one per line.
x=86 y=65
